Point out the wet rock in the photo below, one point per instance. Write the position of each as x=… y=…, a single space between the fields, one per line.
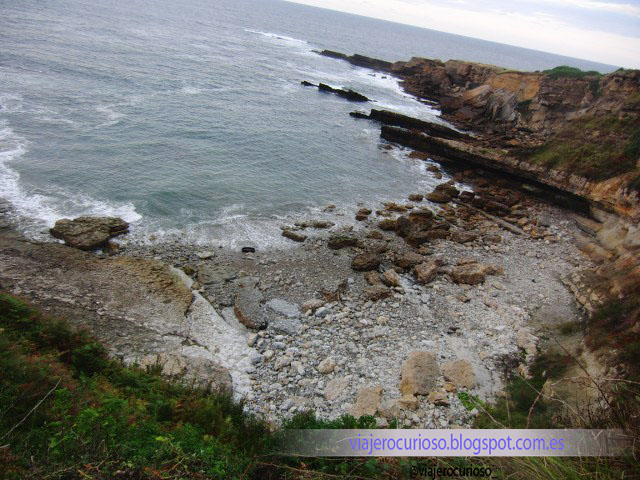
x=459 y=373
x=88 y=233
x=439 y=197
x=387 y=225
x=367 y=402
x=375 y=234
x=365 y=262
x=295 y=236
x=377 y=292
x=347 y=94
x=421 y=217
x=403 y=226
x=425 y=272
x=416 y=197
x=339 y=241
x=363 y=214
x=419 y=373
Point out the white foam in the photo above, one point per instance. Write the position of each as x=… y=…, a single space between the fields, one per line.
x=35 y=211
x=112 y=115
x=190 y=90
x=276 y=36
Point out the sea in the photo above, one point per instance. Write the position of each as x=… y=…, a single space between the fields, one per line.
x=188 y=119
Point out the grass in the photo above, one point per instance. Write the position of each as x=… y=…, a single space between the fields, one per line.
x=596 y=148
x=67 y=411
x=565 y=71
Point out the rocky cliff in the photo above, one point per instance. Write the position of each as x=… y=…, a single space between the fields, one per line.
x=573 y=131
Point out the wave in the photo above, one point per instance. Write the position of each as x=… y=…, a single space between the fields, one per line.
x=34 y=211
x=276 y=36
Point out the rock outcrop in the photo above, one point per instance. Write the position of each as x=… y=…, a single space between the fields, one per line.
x=88 y=233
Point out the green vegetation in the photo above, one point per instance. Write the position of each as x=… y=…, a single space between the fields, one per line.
x=570 y=72
x=66 y=408
x=469 y=401
x=597 y=148
x=69 y=412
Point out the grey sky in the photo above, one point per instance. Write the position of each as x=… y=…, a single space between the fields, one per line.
x=599 y=30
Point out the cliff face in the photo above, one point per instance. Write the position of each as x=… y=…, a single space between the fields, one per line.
x=478 y=95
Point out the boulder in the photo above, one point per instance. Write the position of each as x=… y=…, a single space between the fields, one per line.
x=403 y=226
x=438 y=398
x=373 y=278
x=461 y=236
x=425 y=272
x=338 y=241
x=295 y=236
x=391 y=278
x=416 y=197
x=388 y=224
x=365 y=262
x=377 y=292
x=409 y=260
x=362 y=214
x=367 y=402
x=335 y=387
x=313 y=304
x=422 y=217
x=248 y=308
x=474 y=273
x=419 y=373
x=459 y=373
x=327 y=365
x=439 y=197
x=88 y=233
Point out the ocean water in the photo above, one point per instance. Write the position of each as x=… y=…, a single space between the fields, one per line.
x=188 y=118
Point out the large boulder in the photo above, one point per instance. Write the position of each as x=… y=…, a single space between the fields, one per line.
x=419 y=373
x=248 y=308
x=88 y=233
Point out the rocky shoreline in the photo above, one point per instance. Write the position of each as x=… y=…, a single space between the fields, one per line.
x=417 y=311
x=336 y=323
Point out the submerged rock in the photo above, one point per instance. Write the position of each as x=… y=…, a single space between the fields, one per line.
x=88 y=233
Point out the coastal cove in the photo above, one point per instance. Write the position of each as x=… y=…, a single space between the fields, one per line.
x=228 y=225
